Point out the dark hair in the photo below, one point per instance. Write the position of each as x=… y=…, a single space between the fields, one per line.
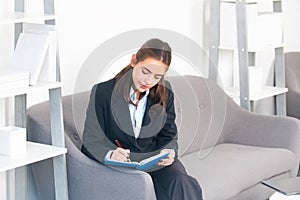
x=153 y=48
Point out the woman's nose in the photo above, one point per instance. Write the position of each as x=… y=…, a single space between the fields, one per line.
x=149 y=80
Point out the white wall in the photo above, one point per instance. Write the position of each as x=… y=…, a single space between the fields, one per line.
x=81 y=32
x=291 y=27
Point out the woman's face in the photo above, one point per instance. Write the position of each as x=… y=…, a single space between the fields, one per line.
x=147 y=73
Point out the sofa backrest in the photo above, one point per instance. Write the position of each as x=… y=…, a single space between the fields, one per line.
x=199 y=106
x=200 y=112
x=292 y=70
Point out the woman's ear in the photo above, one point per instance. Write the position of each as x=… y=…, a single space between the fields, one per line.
x=133 y=60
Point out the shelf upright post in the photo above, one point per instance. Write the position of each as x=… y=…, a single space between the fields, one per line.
x=20 y=117
x=49 y=8
x=20 y=172
x=57 y=125
x=57 y=136
x=242 y=53
x=214 y=35
x=19 y=7
x=251 y=62
x=280 y=81
x=279 y=70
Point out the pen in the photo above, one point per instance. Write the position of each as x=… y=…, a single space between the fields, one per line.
x=119 y=145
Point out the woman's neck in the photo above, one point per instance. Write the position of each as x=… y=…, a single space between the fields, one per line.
x=138 y=95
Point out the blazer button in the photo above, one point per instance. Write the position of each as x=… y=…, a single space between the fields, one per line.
x=76 y=137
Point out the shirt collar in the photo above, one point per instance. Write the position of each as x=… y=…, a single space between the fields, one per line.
x=132 y=94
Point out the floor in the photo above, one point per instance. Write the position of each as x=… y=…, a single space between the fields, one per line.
x=279 y=196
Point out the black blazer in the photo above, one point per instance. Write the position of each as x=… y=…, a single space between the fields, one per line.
x=108 y=119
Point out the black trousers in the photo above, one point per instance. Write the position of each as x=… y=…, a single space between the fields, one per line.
x=173 y=183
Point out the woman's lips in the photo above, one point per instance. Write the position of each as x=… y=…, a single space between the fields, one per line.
x=144 y=87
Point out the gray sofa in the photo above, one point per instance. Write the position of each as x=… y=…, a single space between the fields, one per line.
x=226 y=148
x=292 y=77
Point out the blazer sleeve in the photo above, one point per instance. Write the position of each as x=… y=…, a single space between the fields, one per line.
x=95 y=144
x=168 y=135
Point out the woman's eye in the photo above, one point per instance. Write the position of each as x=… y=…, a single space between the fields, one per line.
x=157 y=77
x=145 y=71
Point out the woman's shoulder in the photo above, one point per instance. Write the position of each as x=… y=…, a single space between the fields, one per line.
x=168 y=86
x=103 y=89
x=106 y=84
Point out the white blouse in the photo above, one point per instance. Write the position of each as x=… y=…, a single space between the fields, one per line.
x=137 y=112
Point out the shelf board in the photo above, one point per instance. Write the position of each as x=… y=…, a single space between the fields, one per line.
x=10 y=92
x=46 y=85
x=265 y=92
x=246 y=1
x=254 y=49
x=269 y=47
x=234 y=1
x=35 y=152
x=19 y=17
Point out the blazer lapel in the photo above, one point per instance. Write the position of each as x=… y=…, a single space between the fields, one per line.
x=121 y=114
x=153 y=121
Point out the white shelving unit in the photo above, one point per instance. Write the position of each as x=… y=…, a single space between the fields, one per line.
x=36 y=152
x=20 y=17
x=9 y=92
x=265 y=92
x=237 y=25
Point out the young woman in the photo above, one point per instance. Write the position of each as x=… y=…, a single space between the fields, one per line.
x=135 y=110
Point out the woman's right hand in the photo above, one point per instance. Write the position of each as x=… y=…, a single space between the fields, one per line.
x=120 y=154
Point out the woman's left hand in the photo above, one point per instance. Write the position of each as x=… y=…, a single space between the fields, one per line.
x=168 y=160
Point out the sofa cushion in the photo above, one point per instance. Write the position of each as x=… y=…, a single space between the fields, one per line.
x=229 y=169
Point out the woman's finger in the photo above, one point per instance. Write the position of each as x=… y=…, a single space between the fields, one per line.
x=124 y=152
x=119 y=155
x=165 y=162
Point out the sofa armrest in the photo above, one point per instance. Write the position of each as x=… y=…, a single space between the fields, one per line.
x=243 y=127
x=89 y=179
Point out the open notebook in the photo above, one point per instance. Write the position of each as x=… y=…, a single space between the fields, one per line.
x=143 y=165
